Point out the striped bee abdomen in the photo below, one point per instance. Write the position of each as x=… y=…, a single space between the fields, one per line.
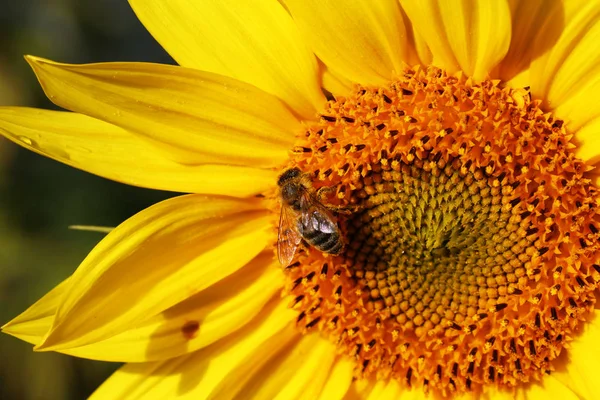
x=321 y=232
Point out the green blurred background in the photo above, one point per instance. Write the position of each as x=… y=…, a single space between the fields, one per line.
x=40 y=198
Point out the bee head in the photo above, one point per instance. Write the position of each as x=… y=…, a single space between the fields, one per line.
x=288 y=175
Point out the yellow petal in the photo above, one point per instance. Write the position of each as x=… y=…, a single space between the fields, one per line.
x=154 y=260
x=188 y=326
x=377 y=391
x=392 y=390
x=549 y=388
x=298 y=373
x=195 y=322
x=527 y=18
x=588 y=148
x=468 y=35
x=336 y=84
x=33 y=324
x=491 y=393
x=588 y=142
x=421 y=49
x=567 y=76
x=521 y=80
x=415 y=393
x=339 y=380
x=578 y=372
x=106 y=150
x=364 y=41
x=32 y=331
x=255 y=42
x=216 y=372
x=360 y=389
x=199 y=117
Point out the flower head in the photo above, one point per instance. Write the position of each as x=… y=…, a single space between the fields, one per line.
x=454 y=152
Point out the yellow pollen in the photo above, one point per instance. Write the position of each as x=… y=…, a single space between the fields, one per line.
x=471 y=234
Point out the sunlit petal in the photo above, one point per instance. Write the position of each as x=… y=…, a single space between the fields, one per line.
x=154 y=260
x=300 y=371
x=255 y=42
x=33 y=324
x=198 y=117
x=588 y=140
x=222 y=368
x=106 y=150
x=360 y=389
x=422 y=49
x=567 y=76
x=188 y=326
x=468 y=35
x=527 y=18
x=335 y=83
x=378 y=391
x=365 y=42
x=197 y=321
x=521 y=80
x=579 y=369
x=340 y=379
x=549 y=387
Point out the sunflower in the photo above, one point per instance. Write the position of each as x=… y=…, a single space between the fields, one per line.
x=457 y=142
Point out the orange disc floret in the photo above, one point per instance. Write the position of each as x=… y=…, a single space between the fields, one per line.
x=471 y=254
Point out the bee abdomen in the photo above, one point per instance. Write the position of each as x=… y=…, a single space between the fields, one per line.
x=313 y=236
x=336 y=248
x=328 y=242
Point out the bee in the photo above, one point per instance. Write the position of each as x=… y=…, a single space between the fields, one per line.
x=303 y=216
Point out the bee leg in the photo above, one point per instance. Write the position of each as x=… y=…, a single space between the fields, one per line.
x=322 y=194
x=324 y=191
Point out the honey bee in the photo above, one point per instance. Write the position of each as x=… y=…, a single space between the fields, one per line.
x=303 y=216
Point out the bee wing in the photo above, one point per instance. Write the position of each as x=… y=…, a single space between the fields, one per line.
x=317 y=218
x=288 y=236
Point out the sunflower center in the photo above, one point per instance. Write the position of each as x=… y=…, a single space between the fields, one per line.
x=436 y=244
x=471 y=239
